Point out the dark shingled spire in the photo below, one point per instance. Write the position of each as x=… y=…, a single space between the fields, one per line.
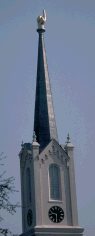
x=44 y=120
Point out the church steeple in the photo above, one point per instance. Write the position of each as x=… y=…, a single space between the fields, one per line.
x=44 y=119
x=48 y=191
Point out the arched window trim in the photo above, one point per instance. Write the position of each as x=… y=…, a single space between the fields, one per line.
x=54 y=198
x=28 y=185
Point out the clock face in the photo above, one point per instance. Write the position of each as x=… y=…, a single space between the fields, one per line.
x=56 y=214
x=29 y=217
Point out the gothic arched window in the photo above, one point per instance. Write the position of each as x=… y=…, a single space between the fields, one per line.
x=28 y=179
x=54 y=182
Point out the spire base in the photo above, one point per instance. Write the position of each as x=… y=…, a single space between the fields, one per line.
x=41 y=30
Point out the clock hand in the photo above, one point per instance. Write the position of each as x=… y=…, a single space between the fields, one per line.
x=56 y=217
x=53 y=213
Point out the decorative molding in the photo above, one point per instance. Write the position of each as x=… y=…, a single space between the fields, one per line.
x=38 y=157
x=55 y=201
x=25 y=155
x=50 y=153
x=42 y=160
x=46 y=157
x=67 y=164
x=40 y=165
x=53 y=149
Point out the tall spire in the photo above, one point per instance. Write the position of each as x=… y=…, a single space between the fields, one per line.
x=44 y=119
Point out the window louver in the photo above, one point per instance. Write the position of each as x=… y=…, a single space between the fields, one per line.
x=54 y=182
x=28 y=174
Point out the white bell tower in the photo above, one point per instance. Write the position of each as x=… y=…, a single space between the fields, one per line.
x=48 y=191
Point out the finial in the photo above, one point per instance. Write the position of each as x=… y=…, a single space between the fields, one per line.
x=22 y=145
x=41 y=20
x=34 y=137
x=68 y=138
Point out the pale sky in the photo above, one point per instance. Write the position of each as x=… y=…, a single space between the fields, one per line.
x=70 y=48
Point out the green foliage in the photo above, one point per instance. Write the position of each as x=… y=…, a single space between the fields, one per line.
x=7 y=187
